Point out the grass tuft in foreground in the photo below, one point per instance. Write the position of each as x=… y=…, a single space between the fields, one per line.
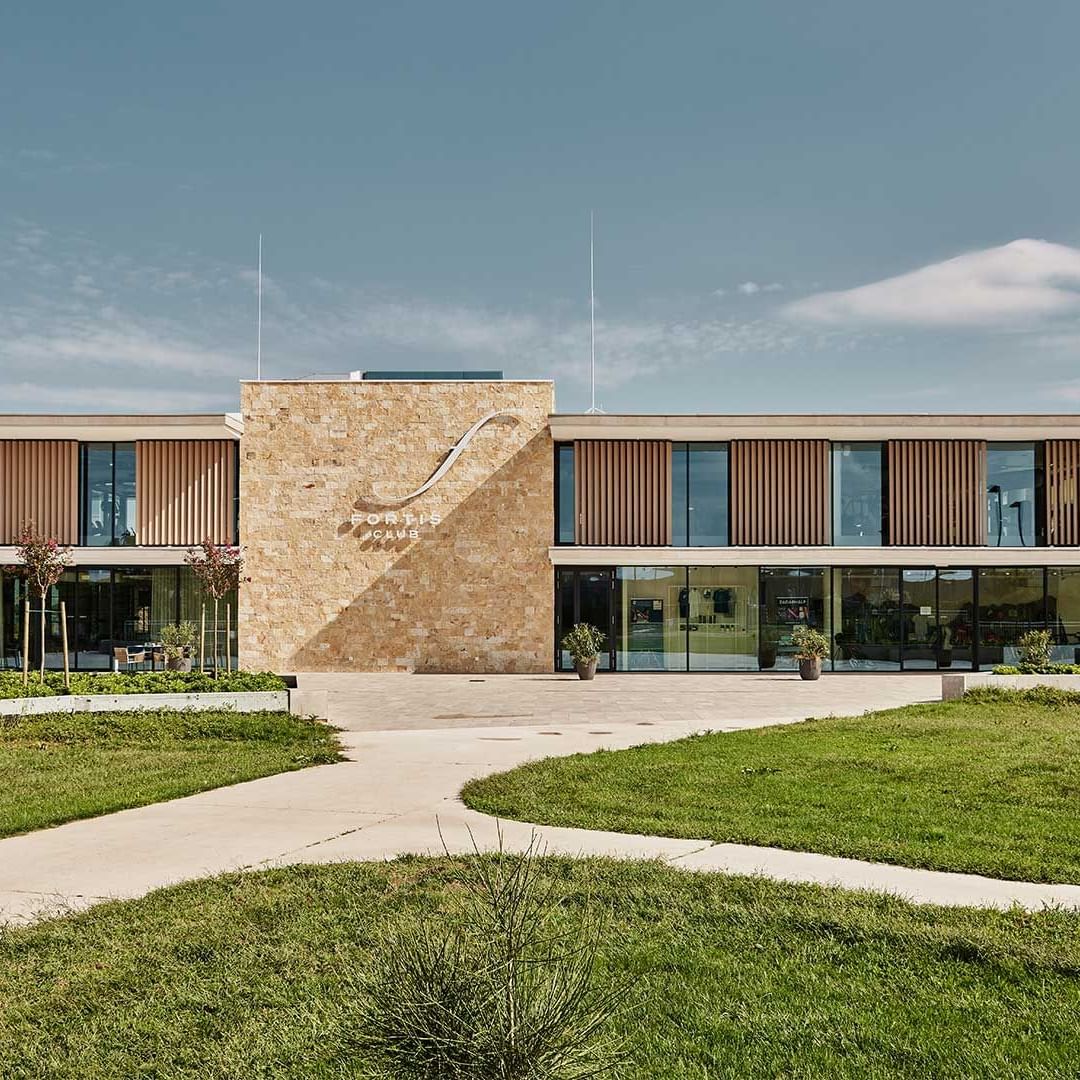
x=986 y=785
x=57 y=767
x=263 y=975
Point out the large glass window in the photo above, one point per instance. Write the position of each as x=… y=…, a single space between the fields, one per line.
x=699 y=494
x=1063 y=612
x=858 y=470
x=107 y=502
x=1013 y=495
x=582 y=596
x=1011 y=602
x=722 y=618
x=652 y=610
x=956 y=618
x=565 y=531
x=789 y=597
x=867 y=615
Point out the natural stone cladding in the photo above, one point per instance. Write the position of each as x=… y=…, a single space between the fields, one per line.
x=328 y=592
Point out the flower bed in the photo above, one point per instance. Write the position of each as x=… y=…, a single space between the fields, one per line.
x=138 y=682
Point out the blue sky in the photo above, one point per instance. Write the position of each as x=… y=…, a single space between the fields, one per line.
x=836 y=206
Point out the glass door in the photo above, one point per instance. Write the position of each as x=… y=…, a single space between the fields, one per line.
x=584 y=596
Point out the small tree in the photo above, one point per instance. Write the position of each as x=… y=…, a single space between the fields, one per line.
x=217 y=568
x=43 y=561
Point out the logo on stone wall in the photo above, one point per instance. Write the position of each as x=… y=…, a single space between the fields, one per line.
x=404 y=525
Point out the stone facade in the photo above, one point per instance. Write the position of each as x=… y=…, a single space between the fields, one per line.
x=342 y=578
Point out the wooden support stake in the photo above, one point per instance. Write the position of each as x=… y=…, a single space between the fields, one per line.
x=64 y=638
x=228 y=632
x=202 y=638
x=26 y=643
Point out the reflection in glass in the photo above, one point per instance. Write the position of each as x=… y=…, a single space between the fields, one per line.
x=956 y=618
x=594 y=607
x=722 y=618
x=867 y=602
x=857 y=499
x=564 y=613
x=107 y=510
x=1011 y=478
x=565 y=531
x=922 y=637
x=699 y=499
x=652 y=607
x=789 y=597
x=93 y=647
x=1063 y=612
x=1011 y=602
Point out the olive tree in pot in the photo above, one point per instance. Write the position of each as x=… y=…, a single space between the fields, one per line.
x=584 y=643
x=177 y=641
x=811 y=647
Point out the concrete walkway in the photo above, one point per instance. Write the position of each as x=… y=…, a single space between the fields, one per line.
x=415 y=740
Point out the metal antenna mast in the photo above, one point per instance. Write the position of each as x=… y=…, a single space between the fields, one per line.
x=258 y=323
x=593 y=408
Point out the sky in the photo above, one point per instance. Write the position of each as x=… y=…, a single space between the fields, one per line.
x=844 y=206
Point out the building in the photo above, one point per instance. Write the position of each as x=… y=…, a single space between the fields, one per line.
x=461 y=524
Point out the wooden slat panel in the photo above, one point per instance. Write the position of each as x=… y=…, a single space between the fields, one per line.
x=780 y=492
x=39 y=482
x=623 y=491
x=937 y=492
x=1063 y=492
x=185 y=491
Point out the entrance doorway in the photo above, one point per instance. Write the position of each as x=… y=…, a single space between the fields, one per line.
x=584 y=596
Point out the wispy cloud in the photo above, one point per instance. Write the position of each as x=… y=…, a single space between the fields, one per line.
x=1026 y=281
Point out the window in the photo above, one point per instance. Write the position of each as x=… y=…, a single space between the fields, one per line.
x=1013 y=495
x=789 y=597
x=722 y=618
x=699 y=494
x=858 y=472
x=1011 y=602
x=565 y=531
x=107 y=494
x=867 y=615
x=652 y=607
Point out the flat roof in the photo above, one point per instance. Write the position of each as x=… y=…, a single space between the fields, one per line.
x=120 y=427
x=840 y=427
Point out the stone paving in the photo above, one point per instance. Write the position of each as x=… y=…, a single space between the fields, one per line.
x=413 y=741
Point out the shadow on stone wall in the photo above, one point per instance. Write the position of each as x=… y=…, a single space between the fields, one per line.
x=475 y=595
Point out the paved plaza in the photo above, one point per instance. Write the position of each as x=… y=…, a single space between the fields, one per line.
x=413 y=741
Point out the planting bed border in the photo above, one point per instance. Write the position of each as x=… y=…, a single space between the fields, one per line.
x=955 y=686
x=298 y=702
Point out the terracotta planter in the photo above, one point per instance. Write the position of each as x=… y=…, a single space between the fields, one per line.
x=178 y=663
x=586 y=669
x=810 y=669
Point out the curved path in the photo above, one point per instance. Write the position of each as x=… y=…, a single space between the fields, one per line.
x=414 y=741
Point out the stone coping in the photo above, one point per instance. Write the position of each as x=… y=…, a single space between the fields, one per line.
x=300 y=703
x=955 y=686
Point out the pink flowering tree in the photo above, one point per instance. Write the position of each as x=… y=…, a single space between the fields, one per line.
x=42 y=562
x=217 y=568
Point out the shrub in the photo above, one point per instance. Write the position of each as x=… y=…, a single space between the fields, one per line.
x=1037 y=669
x=1051 y=696
x=499 y=988
x=177 y=639
x=810 y=644
x=584 y=642
x=139 y=682
x=1035 y=646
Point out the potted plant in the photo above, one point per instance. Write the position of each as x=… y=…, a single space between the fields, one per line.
x=176 y=642
x=770 y=636
x=584 y=643
x=811 y=647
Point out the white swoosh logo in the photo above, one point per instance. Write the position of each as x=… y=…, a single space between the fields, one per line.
x=448 y=462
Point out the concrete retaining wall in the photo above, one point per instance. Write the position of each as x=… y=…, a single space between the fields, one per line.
x=254 y=701
x=955 y=686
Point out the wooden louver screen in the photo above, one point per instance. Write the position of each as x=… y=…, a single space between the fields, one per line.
x=1063 y=492
x=185 y=491
x=780 y=491
x=937 y=492
x=622 y=491
x=39 y=483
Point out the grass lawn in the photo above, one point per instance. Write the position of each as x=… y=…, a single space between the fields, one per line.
x=982 y=786
x=60 y=766
x=255 y=975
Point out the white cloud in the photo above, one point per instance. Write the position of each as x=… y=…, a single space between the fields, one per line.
x=748 y=288
x=1019 y=282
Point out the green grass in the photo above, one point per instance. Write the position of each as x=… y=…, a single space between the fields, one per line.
x=979 y=786
x=60 y=766
x=256 y=976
